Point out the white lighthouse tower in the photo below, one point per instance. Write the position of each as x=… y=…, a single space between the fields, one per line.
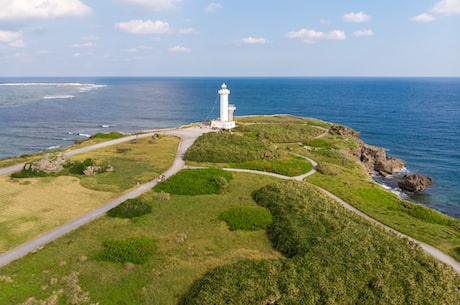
x=226 y=111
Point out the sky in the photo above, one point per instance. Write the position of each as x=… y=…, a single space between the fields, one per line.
x=229 y=38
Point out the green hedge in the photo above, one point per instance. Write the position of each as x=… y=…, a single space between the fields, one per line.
x=248 y=218
x=196 y=182
x=136 y=250
x=130 y=208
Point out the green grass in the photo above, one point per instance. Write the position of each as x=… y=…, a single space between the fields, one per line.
x=136 y=250
x=248 y=218
x=335 y=257
x=290 y=166
x=196 y=182
x=226 y=147
x=130 y=208
x=109 y=135
x=281 y=132
x=190 y=240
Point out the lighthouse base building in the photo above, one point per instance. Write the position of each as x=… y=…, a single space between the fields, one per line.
x=226 y=111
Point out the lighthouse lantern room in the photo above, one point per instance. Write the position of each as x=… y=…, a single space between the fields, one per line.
x=226 y=111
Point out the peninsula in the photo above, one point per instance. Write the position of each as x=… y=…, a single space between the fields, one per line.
x=195 y=250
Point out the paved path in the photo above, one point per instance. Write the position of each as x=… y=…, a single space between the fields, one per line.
x=187 y=135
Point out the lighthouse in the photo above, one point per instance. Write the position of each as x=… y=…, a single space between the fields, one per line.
x=226 y=111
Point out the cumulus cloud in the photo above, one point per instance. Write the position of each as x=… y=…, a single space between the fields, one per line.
x=311 y=36
x=212 y=7
x=156 y=5
x=363 y=33
x=447 y=7
x=253 y=40
x=12 y=39
x=356 y=17
x=42 y=9
x=144 y=27
x=179 y=49
x=423 y=18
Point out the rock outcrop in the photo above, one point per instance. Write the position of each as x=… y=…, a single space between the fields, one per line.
x=51 y=163
x=414 y=182
x=343 y=131
x=375 y=159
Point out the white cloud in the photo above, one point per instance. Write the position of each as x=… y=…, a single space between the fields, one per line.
x=42 y=9
x=423 y=18
x=356 y=17
x=253 y=40
x=311 y=36
x=325 y=21
x=212 y=7
x=87 y=44
x=144 y=27
x=12 y=39
x=179 y=49
x=156 y=5
x=447 y=7
x=364 y=33
x=187 y=31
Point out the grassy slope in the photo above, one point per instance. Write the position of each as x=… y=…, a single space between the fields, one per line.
x=163 y=279
x=32 y=206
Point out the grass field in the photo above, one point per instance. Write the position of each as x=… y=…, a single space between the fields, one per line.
x=190 y=239
x=33 y=206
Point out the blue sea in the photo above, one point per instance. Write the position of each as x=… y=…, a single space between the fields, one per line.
x=415 y=119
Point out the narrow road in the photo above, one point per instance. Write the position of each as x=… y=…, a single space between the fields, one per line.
x=187 y=135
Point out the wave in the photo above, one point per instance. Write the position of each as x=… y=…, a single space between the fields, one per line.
x=81 y=86
x=58 y=96
x=53 y=147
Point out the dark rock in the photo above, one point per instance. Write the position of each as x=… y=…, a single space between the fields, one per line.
x=343 y=131
x=415 y=182
x=375 y=159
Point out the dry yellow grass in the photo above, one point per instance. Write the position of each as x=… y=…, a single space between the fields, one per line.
x=30 y=207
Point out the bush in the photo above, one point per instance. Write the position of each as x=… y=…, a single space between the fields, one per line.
x=335 y=257
x=77 y=167
x=136 y=250
x=130 y=208
x=196 y=182
x=329 y=169
x=29 y=173
x=248 y=218
x=107 y=135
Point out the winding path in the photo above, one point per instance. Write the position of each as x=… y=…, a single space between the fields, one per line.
x=188 y=136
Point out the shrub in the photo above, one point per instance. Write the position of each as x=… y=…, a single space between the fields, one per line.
x=248 y=218
x=196 y=182
x=130 y=208
x=329 y=169
x=29 y=173
x=77 y=167
x=136 y=250
x=107 y=135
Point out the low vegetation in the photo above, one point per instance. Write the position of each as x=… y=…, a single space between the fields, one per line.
x=334 y=257
x=290 y=166
x=196 y=182
x=130 y=208
x=108 y=135
x=136 y=250
x=248 y=218
x=224 y=147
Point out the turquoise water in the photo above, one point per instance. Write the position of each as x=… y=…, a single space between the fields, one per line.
x=415 y=119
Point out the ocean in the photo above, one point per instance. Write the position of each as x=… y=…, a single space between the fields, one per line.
x=415 y=119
